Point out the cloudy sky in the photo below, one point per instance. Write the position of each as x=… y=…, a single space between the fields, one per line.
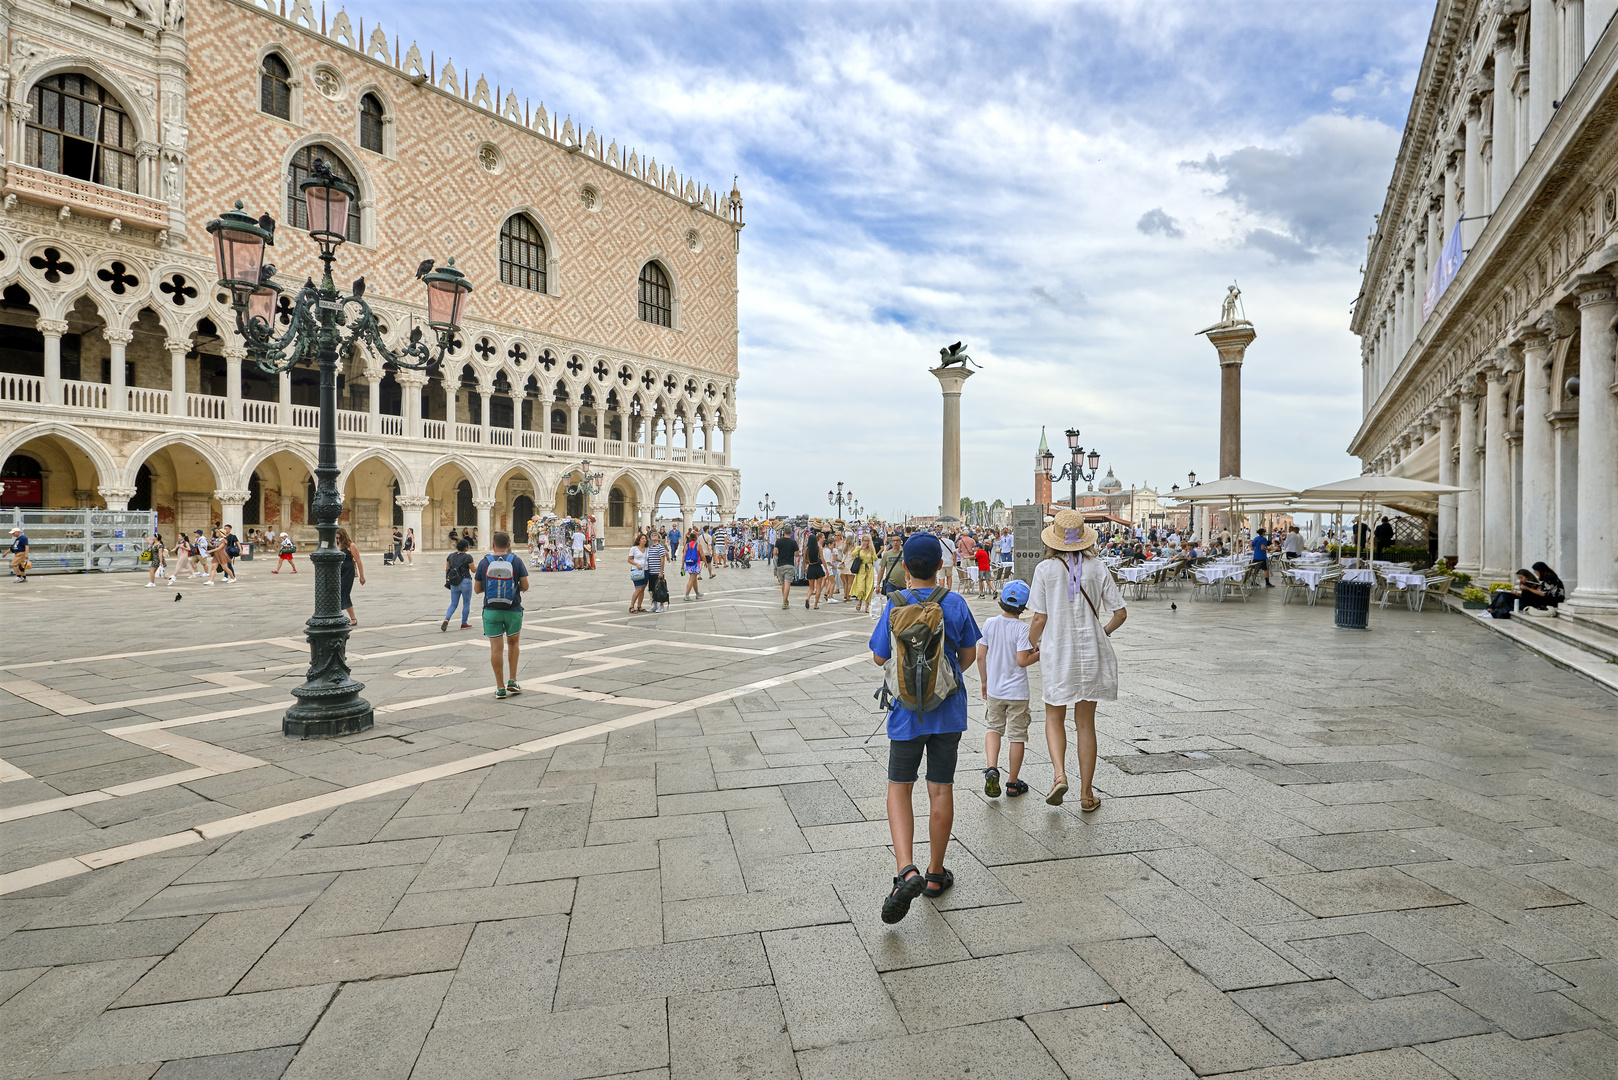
x=1068 y=188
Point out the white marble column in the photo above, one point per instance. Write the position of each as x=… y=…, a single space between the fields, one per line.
x=283 y=388
x=411 y=382
x=411 y=507
x=373 y=402
x=234 y=355
x=1597 y=590
x=952 y=379
x=485 y=400
x=1475 y=186
x=1504 y=127
x=1468 y=532
x=1565 y=432
x=1538 y=453
x=484 y=506
x=177 y=390
x=1543 y=52
x=1446 y=475
x=1496 y=476
x=117 y=342
x=230 y=508
x=53 y=329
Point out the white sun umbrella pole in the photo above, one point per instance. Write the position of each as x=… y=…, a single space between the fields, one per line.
x=1234 y=491
x=1370 y=489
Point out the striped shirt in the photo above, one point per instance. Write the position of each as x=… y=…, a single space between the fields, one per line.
x=654 y=557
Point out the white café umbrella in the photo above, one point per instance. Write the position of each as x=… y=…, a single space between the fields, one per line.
x=1234 y=491
x=1373 y=489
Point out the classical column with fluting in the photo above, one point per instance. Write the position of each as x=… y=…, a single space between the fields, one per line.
x=951 y=379
x=1232 y=340
x=1597 y=590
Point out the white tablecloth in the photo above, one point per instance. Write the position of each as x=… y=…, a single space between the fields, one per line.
x=1309 y=577
x=1138 y=574
x=1407 y=581
x=1364 y=577
x=1213 y=572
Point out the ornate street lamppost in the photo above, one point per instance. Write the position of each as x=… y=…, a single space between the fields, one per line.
x=839 y=499
x=1073 y=471
x=767 y=507
x=321 y=321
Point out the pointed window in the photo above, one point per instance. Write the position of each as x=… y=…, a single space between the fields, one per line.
x=656 y=299
x=371 y=123
x=275 y=87
x=522 y=254
x=77 y=129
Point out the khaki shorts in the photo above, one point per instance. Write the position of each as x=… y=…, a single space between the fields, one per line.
x=1008 y=718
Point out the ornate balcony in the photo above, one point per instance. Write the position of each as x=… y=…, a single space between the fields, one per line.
x=82 y=197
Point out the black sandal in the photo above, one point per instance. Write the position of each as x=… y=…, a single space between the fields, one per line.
x=1015 y=788
x=943 y=881
x=905 y=889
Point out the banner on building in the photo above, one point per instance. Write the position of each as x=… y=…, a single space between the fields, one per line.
x=1449 y=264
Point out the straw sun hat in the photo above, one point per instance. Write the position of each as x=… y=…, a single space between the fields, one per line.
x=1068 y=532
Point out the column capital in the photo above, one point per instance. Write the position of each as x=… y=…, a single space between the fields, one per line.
x=51 y=327
x=228 y=495
x=177 y=345
x=118 y=337
x=951 y=379
x=483 y=504
x=410 y=377
x=116 y=494
x=1597 y=288
x=412 y=502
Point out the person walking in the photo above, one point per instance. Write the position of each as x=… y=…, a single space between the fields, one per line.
x=862 y=583
x=199 y=557
x=784 y=552
x=287 y=550
x=458 y=580
x=352 y=567
x=1261 y=555
x=1071 y=586
x=657 y=555
x=705 y=546
x=154 y=557
x=398 y=544
x=693 y=566
x=814 y=568
x=1004 y=656
x=637 y=574
x=502 y=578
x=410 y=548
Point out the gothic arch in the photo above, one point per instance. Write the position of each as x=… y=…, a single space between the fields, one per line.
x=222 y=470
x=390 y=118
x=295 y=82
x=401 y=472
x=676 y=290
x=553 y=278
x=675 y=484
x=721 y=488
x=283 y=446
x=106 y=470
x=474 y=475
x=134 y=105
x=634 y=480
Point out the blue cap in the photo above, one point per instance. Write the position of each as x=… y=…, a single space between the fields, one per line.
x=1015 y=594
x=924 y=547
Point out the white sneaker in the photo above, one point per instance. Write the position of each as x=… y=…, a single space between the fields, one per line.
x=151 y=584
x=205 y=581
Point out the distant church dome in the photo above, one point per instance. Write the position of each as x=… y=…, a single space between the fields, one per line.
x=1110 y=483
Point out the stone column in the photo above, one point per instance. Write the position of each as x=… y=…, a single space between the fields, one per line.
x=1597 y=591
x=1232 y=342
x=950 y=381
x=116 y=498
x=601 y=428
x=373 y=401
x=449 y=411
x=1504 y=127
x=53 y=329
x=411 y=382
x=1446 y=475
x=234 y=355
x=117 y=342
x=1542 y=76
x=411 y=507
x=177 y=389
x=687 y=511
x=1468 y=533
x=484 y=506
x=573 y=419
x=1496 y=475
x=283 y=386
x=1475 y=185
x=230 y=507
x=485 y=400
x=1565 y=537
x=284 y=517
x=1538 y=521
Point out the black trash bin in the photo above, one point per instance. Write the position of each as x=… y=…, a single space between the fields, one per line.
x=1353 y=605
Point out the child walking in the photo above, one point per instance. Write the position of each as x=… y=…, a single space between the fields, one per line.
x=1004 y=656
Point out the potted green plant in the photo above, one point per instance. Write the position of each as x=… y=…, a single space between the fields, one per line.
x=1474 y=598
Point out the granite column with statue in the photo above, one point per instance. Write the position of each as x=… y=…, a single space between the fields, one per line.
x=1231 y=336
x=952 y=374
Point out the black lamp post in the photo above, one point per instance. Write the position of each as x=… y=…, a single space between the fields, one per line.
x=766 y=508
x=1073 y=471
x=839 y=499
x=320 y=321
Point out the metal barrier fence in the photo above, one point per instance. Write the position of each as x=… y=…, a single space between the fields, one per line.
x=70 y=541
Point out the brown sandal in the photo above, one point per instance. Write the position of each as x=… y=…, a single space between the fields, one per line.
x=1090 y=804
x=1058 y=791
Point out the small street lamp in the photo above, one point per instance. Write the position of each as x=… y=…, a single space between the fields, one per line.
x=321 y=321
x=1073 y=471
x=767 y=507
x=839 y=498
x=589 y=483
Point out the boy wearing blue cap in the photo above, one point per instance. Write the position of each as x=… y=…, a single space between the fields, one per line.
x=938 y=623
x=1004 y=656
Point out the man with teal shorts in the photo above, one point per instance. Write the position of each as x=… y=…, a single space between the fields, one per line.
x=501 y=579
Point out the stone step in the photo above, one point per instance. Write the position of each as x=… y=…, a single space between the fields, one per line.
x=1571 y=647
x=1606 y=625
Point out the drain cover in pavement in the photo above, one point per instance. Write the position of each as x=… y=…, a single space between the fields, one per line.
x=428 y=672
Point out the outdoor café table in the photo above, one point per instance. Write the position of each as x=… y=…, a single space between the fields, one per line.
x=1218 y=573
x=1366 y=576
x=1415 y=586
x=1139 y=574
x=1309 y=577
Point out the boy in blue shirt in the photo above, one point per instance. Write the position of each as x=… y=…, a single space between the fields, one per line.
x=937 y=733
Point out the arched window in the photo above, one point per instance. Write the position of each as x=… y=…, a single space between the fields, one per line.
x=615 y=508
x=371 y=123
x=275 y=87
x=298 y=171
x=656 y=300
x=466 y=512
x=77 y=129
x=522 y=254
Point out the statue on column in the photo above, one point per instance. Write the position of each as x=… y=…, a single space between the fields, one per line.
x=1227 y=310
x=956 y=354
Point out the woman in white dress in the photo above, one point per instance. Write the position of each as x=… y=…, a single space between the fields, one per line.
x=1070 y=590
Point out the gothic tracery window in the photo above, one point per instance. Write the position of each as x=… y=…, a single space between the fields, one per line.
x=522 y=254
x=371 y=123
x=656 y=299
x=77 y=129
x=275 y=87
x=298 y=171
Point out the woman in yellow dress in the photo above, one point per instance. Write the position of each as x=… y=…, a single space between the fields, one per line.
x=865 y=577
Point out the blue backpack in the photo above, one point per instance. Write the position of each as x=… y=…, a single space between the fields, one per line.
x=500 y=582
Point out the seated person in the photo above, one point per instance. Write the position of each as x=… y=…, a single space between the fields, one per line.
x=1530 y=592
x=1551 y=585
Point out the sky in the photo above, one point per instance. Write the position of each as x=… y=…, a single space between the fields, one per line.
x=1067 y=188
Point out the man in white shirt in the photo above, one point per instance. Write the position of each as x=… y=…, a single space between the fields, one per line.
x=1292 y=547
x=578 y=550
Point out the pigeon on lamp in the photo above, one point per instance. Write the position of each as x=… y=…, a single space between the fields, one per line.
x=267 y=223
x=358 y=288
x=266 y=273
x=424 y=269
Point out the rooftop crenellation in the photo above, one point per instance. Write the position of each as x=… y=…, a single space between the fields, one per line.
x=502 y=104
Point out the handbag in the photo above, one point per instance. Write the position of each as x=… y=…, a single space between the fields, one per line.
x=857 y=565
x=146 y=556
x=638 y=577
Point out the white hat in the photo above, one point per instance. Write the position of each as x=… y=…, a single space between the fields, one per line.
x=16 y=530
x=283 y=536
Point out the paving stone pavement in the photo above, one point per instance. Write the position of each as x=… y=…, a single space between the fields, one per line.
x=1321 y=855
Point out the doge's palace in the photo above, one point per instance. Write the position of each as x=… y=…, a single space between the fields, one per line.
x=1491 y=288
x=602 y=329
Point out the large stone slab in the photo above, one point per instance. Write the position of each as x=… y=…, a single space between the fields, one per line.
x=658 y=971
x=830 y=993
x=562 y=1046
x=213 y=960
x=1202 y=938
x=729 y=1035
x=1111 y=1041
x=350 y=1042
x=313 y=961
x=1369 y=966
x=1354 y=892
x=1003 y=1048
x=994 y=988
x=89 y=944
x=1328 y=1019
x=509 y=969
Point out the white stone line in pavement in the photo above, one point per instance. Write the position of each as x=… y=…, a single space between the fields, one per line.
x=68 y=705
x=28 y=877
x=735 y=637
x=10 y=772
x=683 y=644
